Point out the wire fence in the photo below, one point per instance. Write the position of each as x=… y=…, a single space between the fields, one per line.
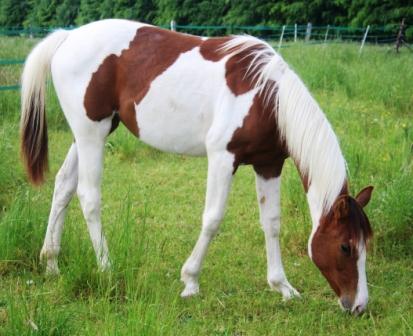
x=279 y=34
x=377 y=34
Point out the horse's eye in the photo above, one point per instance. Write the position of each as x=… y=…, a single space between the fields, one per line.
x=345 y=248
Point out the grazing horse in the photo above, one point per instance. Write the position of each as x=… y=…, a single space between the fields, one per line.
x=233 y=99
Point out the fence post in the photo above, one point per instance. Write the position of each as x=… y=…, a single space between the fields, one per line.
x=308 y=32
x=295 y=33
x=326 y=35
x=364 y=39
x=281 y=38
x=399 y=39
x=173 y=25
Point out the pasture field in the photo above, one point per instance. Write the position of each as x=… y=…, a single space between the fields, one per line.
x=152 y=205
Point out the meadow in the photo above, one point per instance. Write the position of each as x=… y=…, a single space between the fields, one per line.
x=152 y=206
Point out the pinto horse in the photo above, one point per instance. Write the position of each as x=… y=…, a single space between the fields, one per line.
x=231 y=98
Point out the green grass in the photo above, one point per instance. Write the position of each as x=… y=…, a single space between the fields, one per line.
x=152 y=205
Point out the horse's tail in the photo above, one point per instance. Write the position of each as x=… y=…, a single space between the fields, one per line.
x=33 y=126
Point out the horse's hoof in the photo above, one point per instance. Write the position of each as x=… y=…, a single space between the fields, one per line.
x=190 y=290
x=49 y=258
x=105 y=267
x=52 y=270
x=287 y=291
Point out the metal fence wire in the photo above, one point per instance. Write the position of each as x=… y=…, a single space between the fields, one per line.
x=280 y=33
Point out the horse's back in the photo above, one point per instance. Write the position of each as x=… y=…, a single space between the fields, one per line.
x=174 y=91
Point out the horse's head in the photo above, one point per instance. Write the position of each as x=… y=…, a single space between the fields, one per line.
x=339 y=249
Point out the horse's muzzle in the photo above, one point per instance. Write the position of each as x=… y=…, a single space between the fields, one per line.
x=347 y=305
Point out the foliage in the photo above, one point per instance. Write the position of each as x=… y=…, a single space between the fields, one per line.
x=44 y=13
x=13 y=12
x=67 y=12
x=88 y=11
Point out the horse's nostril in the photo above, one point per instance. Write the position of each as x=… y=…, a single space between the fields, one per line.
x=358 y=310
x=345 y=303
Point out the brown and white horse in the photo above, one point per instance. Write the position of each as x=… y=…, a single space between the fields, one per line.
x=233 y=99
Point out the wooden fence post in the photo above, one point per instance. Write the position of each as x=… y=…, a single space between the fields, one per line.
x=295 y=33
x=400 y=36
x=326 y=35
x=308 y=32
x=281 y=38
x=364 y=39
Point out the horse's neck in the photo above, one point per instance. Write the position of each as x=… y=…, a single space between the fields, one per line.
x=317 y=211
x=311 y=142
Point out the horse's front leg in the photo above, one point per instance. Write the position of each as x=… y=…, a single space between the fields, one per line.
x=268 y=193
x=220 y=169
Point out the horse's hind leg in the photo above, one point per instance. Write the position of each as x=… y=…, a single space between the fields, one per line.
x=220 y=168
x=268 y=194
x=65 y=187
x=90 y=144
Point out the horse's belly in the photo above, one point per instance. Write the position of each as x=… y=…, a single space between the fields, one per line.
x=171 y=125
x=177 y=111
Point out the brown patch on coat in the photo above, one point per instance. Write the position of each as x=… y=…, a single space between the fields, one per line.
x=236 y=66
x=211 y=48
x=115 y=123
x=236 y=72
x=334 y=245
x=121 y=82
x=304 y=178
x=258 y=142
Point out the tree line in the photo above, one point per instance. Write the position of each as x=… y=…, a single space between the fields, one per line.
x=63 y=13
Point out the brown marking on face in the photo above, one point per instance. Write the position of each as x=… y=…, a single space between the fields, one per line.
x=257 y=141
x=262 y=200
x=121 y=82
x=334 y=245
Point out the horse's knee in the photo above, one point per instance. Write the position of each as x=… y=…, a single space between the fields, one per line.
x=65 y=187
x=271 y=225
x=276 y=278
x=211 y=221
x=66 y=179
x=90 y=203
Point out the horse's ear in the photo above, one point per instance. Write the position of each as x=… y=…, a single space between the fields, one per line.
x=363 y=197
x=341 y=208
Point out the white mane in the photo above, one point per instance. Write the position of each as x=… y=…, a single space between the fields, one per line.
x=308 y=134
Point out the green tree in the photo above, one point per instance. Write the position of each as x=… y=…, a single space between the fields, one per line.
x=13 y=12
x=142 y=10
x=204 y=12
x=67 y=12
x=88 y=11
x=42 y=13
x=362 y=13
x=107 y=9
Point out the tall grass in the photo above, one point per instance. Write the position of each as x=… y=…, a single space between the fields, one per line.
x=152 y=205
